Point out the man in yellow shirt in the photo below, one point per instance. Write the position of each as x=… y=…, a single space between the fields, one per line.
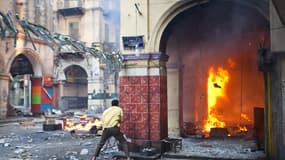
x=111 y=120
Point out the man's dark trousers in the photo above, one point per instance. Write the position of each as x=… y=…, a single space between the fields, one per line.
x=115 y=132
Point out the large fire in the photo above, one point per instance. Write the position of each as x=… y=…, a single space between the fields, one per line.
x=218 y=99
x=217 y=84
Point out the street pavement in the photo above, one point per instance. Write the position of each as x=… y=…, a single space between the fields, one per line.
x=23 y=138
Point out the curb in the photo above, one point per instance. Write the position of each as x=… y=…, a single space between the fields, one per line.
x=17 y=120
x=202 y=158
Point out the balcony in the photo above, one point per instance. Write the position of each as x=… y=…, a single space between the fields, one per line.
x=76 y=11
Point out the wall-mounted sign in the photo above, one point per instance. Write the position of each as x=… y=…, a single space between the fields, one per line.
x=133 y=42
x=48 y=81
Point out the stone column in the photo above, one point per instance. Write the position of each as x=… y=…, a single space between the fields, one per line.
x=61 y=103
x=4 y=91
x=275 y=132
x=143 y=96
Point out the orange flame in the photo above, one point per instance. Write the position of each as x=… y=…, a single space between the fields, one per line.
x=243 y=128
x=245 y=117
x=217 y=82
x=231 y=63
x=83 y=123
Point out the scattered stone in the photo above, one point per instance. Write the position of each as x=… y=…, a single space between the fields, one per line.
x=27 y=123
x=6 y=144
x=200 y=136
x=25 y=147
x=84 y=151
x=247 y=150
x=27 y=155
x=70 y=155
x=53 y=157
x=17 y=151
x=40 y=132
x=72 y=132
x=87 y=144
x=2 y=141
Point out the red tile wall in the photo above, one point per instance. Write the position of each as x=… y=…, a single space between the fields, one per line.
x=144 y=102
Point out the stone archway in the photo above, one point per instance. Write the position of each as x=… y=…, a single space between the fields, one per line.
x=73 y=90
x=160 y=41
x=21 y=80
x=33 y=57
x=156 y=40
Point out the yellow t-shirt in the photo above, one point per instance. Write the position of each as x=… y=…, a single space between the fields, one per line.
x=112 y=116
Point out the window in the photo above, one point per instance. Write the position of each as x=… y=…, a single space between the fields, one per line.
x=74 y=30
x=72 y=3
x=106 y=32
x=66 y=3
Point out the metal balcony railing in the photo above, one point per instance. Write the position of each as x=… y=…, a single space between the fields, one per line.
x=71 y=11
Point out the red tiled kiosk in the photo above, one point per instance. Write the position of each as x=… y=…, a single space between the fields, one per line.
x=42 y=96
x=143 y=97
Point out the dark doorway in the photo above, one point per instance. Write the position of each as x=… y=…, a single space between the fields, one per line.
x=20 y=85
x=21 y=65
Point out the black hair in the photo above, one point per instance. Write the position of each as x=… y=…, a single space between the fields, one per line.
x=115 y=102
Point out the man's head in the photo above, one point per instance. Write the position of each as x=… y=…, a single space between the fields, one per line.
x=115 y=102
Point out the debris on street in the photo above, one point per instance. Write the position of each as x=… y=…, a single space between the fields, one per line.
x=27 y=140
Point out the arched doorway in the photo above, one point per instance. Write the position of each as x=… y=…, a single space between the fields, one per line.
x=73 y=94
x=213 y=80
x=24 y=69
x=21 y=71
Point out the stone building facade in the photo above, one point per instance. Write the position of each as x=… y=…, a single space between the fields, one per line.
x=20 y=58
x=95 y=22
x=35 y=77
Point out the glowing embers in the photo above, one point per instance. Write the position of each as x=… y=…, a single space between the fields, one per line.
x=217 y=83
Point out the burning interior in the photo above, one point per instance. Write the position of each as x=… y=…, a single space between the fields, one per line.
x=212 y=47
